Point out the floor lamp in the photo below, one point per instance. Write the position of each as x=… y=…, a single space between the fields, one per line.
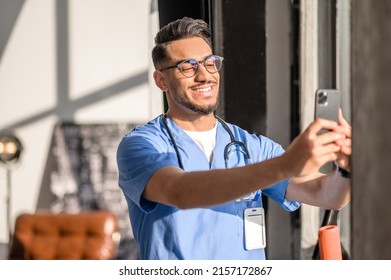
x=10 y=151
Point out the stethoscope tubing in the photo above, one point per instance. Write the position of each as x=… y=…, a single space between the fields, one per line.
x=226 y=149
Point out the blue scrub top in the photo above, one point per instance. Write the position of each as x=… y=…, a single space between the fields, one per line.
x=166 y=232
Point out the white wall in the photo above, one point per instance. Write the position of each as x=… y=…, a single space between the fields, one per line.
x=86 y=61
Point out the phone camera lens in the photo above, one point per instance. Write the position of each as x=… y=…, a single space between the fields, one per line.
x=322 y=98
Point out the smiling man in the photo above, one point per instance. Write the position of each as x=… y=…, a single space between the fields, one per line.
x=193 y=183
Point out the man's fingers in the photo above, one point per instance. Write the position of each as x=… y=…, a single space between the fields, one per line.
x=330 y=137
x=327 y=149
x=344 y=142
x=345 y=124
x=346 y=150
x=327 y=158
x=320 y=124
x=341 y=118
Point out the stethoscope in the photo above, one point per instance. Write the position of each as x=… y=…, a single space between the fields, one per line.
x=250 y=197
x=233 y=142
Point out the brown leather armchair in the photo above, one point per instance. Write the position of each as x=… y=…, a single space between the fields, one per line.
x=83 y=236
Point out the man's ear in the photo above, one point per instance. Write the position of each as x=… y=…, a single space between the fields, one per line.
x=160 y=80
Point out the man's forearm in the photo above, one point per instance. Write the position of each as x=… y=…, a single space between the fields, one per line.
x=335 y=191
x=205 y=188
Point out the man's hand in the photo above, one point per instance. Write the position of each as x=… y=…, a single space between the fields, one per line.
x=309 y=151
x=343 y=156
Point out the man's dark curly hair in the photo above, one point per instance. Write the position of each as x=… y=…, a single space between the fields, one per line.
x=180 y=29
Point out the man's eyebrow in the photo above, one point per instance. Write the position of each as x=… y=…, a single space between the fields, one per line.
x=190 y=58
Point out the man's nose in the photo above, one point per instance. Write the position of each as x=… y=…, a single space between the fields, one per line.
x=202 y=74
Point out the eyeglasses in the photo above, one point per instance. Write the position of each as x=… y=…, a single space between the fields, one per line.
x=189 y=67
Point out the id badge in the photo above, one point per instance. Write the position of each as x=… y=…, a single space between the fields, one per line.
x=254 y=228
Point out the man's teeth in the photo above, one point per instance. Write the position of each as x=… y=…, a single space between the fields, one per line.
x=204 y=89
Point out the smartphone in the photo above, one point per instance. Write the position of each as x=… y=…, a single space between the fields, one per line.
x=327 y=103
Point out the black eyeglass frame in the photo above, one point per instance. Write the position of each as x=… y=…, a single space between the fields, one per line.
x=191 y=61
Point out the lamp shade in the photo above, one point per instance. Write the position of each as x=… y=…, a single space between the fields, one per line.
x=10 y=148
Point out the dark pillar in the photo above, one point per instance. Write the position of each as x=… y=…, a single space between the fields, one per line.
x=240 y=37
x=371 y=101
x=170 y=10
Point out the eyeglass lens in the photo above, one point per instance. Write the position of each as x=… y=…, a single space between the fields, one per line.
x=190 y=67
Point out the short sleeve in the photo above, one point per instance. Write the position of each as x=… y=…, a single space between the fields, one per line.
x=277 y=191
x=139 y=156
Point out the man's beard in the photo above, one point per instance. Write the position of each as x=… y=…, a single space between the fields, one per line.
x=203 y=110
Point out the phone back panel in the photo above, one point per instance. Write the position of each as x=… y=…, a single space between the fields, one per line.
x=327 y=103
